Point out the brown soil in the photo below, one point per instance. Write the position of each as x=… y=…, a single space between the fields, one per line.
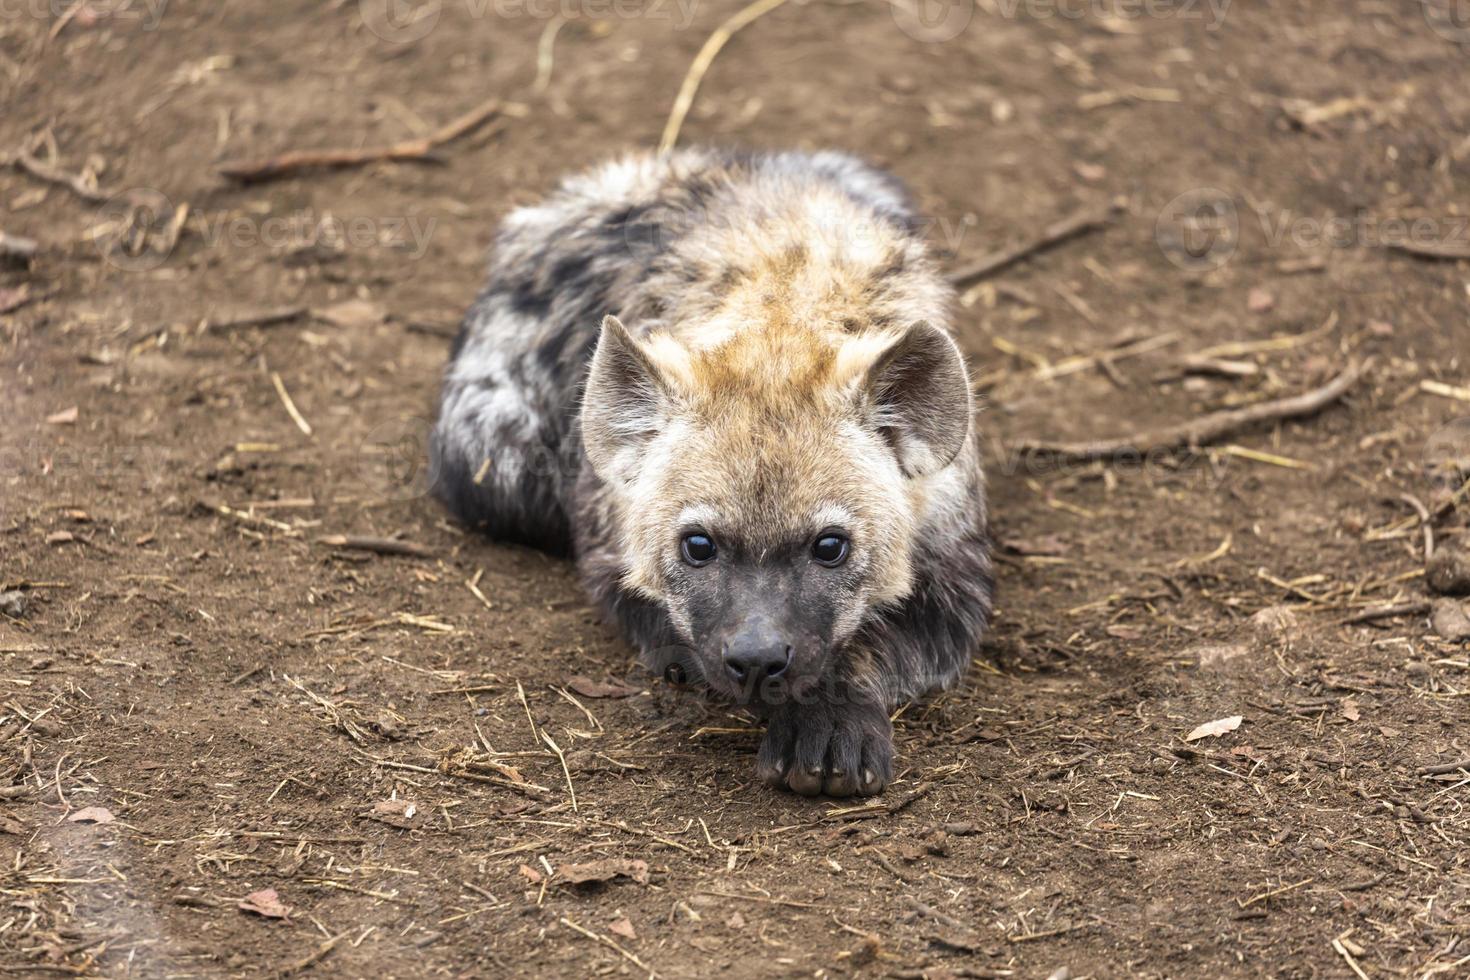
x=243 y=699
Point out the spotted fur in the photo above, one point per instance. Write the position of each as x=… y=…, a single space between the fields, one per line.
x=775 y=359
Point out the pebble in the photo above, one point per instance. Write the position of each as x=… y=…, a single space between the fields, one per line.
x=1275 y=619
x=1449 y=572
x=1450 y=620
x=14 y=604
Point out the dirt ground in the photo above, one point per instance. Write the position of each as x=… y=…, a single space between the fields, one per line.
x=391 y=743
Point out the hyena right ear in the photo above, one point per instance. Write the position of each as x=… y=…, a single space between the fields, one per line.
x=920 y=396
x=624 y=404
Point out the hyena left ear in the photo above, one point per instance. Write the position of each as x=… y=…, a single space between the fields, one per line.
x=623 y=404
x=921 y=396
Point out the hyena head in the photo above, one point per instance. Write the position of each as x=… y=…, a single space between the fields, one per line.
x=768 y=488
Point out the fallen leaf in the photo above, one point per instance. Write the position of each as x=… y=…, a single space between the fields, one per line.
x=601 y=689
x=530 y=874
x=623 y=927
x=91 y=814
x=353 y=314
x=67 y=416
x=1350 y=709
x=1219 y=726
x=403 y=814
x=604 y=870
x=265 y=903
x=736 y=921
x=1124 y=632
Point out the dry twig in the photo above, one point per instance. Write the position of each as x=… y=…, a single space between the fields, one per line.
x=1206 y=429
x=702 y=61
x=1055 y=234
x=285 y=164
x=380 y=546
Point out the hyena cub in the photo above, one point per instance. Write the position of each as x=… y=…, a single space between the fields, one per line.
x=723 y=381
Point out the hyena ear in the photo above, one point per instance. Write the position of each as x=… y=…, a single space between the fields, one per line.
x=920 y=395
x=624 y=403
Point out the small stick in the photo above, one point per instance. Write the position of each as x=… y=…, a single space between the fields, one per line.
x=16 y=248
x=1342 y=951
x=609 y=943
x=931 y=912
x=1026 y=937
x=702 y=61
x=381 y=546
x=1206 y=429
x=473 y=585
x=1444 y=390
x=72 y=182
x=521 y=693
x=1425 y=522
x=1386 y=612
x=564 y=768
x=265 y=318
x=312 y=957
x=1444 y=251
x=271 y=168
x=59 y=794
x=1055 y=234
x=649 y=834
x=1261 y=897
x=545 y=51
x=301 y=423
x=764 y=899
x=1444 y=769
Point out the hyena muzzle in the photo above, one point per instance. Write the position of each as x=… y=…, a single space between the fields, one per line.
x=725 y=383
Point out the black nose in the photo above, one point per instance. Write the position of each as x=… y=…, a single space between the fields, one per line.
x=756 y=658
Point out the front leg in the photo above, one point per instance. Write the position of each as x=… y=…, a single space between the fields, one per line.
x=830 y=745
x=833 y=738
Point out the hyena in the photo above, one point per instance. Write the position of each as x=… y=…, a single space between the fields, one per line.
x=724 y=382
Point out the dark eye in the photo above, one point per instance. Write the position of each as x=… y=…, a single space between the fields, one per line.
x=830 y=550
x=698 y=549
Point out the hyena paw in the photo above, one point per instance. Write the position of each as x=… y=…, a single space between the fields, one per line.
x=844 y=750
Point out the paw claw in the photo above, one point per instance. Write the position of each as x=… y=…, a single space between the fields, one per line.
x=806 y=783
x=838 y=750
